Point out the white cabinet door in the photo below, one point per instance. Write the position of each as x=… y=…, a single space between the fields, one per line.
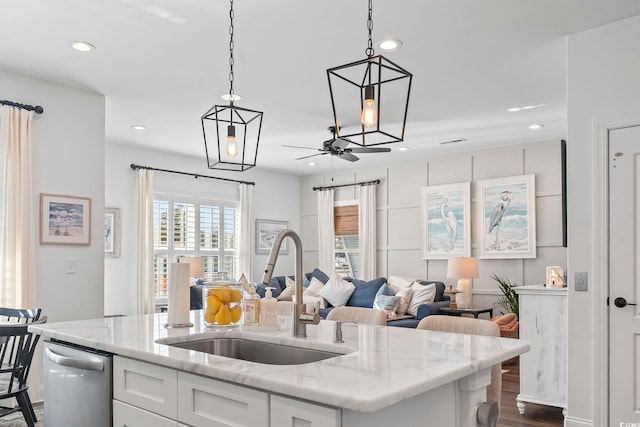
x=129 y=416
x=294 y=413
x=211 y=403
x=146 y=386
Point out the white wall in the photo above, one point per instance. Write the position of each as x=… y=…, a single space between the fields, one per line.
x=603 y=84
x=275 y=197
x=71 y=128
x=399 y=200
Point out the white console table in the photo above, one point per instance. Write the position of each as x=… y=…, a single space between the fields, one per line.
x=543 y=370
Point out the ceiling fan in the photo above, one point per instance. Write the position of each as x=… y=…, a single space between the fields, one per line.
x=337 y=146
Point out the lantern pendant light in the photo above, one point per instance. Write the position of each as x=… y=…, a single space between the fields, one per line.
x=237 y=130
x=359 y=109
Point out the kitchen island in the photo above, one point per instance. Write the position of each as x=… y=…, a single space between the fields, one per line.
x=384 y=376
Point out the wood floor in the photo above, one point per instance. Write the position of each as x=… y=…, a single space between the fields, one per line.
x=534 y=416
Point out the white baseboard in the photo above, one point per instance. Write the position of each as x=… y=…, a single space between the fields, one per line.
x=577 y=422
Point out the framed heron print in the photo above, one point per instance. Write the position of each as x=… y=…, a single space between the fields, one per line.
x=446 y=217
x=507 y=217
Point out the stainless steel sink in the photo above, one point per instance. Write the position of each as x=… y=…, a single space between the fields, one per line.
x=257 y=351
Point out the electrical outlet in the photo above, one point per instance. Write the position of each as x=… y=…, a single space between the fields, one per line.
x=71 y=266
x=581 y=281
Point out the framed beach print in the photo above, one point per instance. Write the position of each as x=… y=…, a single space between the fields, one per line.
x=266 y=232
x=111 y=232
x=507 y=217
x=65 y=220
x=446 y=219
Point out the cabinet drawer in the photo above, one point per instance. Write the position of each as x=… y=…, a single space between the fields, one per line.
x=291 y=412
x=146 y=386
x=129 y=416
x=208 y=402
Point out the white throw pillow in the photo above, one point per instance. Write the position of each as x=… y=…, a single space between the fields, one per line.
x=288 y=292
x=405 y=299
x=422 y=294
x=313 y=288
x=396 y=283
x=337 y=291
x=311 y=302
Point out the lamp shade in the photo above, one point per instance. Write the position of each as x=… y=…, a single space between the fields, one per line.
x=196 y=266
x=462 y=268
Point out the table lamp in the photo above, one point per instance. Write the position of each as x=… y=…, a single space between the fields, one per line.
x=463 y=269
x=196 y=267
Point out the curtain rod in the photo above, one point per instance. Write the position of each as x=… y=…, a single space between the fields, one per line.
x=195 y=175
x=331 y=187
x=37 y=109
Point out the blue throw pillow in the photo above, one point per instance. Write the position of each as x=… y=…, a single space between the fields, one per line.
x=318 y=274
x=385 y=290
x=365 y=292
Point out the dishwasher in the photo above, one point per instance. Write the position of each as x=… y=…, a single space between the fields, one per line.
x=77 y=386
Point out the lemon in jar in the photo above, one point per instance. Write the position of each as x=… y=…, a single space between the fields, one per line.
x=223 y=316
x=236 y=313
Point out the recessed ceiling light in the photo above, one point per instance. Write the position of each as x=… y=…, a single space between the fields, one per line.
x=138 y=127
x=514 y=109
x=312 y=163
x=390 y=45
x=228 y=97
x=535 y=126
x=529 y=107
x=81 y=46
x=403 y=148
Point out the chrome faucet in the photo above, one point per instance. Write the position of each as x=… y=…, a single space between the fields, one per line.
x=300 y=317
x=338 y=338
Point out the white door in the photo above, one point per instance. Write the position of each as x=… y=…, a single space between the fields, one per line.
x=624 y=275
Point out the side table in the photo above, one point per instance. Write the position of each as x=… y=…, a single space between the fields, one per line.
x=460 y=311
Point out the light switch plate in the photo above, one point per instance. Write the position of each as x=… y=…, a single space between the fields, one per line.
x=581 y=281
x=71 y=266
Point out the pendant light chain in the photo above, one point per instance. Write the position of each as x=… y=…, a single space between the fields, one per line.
x=231 y=61
x=369 y=51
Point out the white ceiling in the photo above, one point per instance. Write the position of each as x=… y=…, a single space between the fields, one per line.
x=471 y=60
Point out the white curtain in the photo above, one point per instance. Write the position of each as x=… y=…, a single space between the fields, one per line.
x=326 y=231
x=246 y=236
x=146 y=291
x=17 y=232
x=367 y=230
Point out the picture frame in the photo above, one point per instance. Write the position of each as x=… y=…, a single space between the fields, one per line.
x=112 y=233
x=446 y=221
x=507 y=217
x=65 y=220
x=266 y=232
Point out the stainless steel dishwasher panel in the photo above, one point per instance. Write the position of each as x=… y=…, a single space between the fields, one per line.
x=77 y=388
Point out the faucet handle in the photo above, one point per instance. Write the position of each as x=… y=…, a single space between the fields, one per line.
x=313 y=317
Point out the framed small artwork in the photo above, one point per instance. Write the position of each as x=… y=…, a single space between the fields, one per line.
x=446 y=220
x=111 y=232
x=266 y=232
x=65 y=220
x=507 y=217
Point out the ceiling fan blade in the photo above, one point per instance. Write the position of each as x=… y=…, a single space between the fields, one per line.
x=313 y=155
x=348 y=156
x=370 y=149
x=340 y=143
x=296 y=146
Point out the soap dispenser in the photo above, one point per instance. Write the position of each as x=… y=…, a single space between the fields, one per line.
x=269 y=309
x=251 y=306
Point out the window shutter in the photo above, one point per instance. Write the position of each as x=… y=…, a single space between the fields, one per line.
x=345 y=220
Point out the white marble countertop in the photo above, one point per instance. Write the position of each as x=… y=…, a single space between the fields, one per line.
x=382 y=365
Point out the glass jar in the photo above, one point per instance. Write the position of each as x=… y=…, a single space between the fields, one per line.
x=222 y=303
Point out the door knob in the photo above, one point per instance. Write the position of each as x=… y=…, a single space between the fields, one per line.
x=621 y=302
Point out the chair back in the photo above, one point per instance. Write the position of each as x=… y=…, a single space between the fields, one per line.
x=471 y=326
x=19 y=315
x=17 y=345
x=362 y=315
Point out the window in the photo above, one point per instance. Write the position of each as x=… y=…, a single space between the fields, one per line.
x=347 y=241
x=194 y=227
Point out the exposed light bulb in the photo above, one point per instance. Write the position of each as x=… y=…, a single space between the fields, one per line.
x=369 y=114
x=232 y=146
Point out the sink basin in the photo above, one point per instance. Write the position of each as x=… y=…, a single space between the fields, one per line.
x=257 y=351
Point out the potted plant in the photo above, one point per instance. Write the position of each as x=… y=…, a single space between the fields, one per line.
x=509 y=297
